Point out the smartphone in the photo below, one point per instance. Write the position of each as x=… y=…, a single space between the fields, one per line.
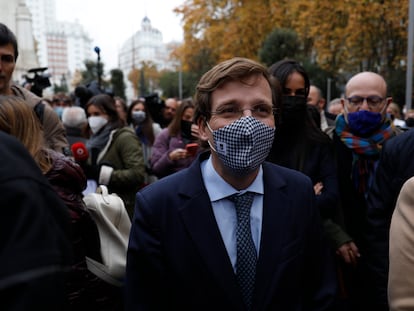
x=191 y=149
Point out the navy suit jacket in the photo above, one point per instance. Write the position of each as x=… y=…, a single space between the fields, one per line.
x=177 y=259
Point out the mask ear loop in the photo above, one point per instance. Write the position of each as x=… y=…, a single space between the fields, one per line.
x=208 y=141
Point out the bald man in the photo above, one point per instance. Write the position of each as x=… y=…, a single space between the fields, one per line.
x=360 y=132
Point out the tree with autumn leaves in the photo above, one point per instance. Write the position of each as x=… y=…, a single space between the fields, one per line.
x=341 y=36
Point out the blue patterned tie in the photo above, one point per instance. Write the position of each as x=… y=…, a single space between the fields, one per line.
x=246 y=251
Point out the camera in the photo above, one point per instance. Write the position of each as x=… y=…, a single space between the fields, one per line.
x=84 y=92
x=38 y=79
x=155 y=105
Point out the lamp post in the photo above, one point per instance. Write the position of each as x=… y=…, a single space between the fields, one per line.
x=180 y=82
x=98 y=67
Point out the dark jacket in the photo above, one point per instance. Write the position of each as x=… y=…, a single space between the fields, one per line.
x=34 y=234
x=396 y=166
x=317 y=161
x=352 y=202
x=362 y=283
x=177 y=259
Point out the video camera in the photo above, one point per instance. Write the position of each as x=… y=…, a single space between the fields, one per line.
x=84 y=92
x=38 y=80
x=155 y=105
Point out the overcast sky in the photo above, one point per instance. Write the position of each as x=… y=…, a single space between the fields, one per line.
x=110 y=23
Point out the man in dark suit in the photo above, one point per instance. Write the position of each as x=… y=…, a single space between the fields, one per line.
x=185 y=250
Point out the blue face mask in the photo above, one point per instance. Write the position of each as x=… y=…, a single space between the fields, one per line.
x=364 y=122
x=59 y=111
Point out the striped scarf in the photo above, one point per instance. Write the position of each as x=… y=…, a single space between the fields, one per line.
x=366 y=151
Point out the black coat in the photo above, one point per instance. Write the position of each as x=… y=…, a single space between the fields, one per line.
x=396 y=166
x=34 y=230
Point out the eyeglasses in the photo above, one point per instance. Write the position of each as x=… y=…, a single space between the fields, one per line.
x=372 y=101
x=234 y=113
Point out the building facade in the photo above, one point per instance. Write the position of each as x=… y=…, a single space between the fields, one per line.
x=45 y=42
x=145 y=46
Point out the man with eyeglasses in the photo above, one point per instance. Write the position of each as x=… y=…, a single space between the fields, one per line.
x=360 y=133
x=55 y=137
x=231 y=232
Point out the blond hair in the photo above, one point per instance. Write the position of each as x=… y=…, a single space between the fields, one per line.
x=20 y=121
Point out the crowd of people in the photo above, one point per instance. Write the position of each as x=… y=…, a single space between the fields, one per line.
x=254 y=194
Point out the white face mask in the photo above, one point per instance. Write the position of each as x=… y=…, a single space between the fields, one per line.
x=138 y=116
x=96 y=123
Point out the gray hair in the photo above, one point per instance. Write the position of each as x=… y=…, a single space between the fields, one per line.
x=74 y=116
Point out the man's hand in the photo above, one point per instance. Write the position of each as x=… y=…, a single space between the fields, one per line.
x=349 y=253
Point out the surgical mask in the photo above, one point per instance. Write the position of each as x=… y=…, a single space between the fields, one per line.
x=363 y=122
x=242 y=146
x=294 y=110
x=59 y=111
x=96 y=123
x=138 y=116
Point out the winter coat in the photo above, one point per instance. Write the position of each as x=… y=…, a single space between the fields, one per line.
x=163 y=145
x=123 y=153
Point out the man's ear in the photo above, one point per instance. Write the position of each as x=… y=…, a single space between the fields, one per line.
x=343 y=102
x=202 y=128
x=388 y=101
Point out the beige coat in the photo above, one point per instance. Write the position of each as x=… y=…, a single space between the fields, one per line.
x=53 y=130
x=401 y=273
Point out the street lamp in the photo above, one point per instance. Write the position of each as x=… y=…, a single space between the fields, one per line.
x=98 y=67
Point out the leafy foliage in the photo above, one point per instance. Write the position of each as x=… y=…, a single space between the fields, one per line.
x=279 y=44
x=117 y=83
x=340 y=37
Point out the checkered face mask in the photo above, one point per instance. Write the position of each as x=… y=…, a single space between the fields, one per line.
x=242 y=146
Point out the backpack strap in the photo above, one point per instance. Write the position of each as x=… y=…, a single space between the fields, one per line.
x=39 y=109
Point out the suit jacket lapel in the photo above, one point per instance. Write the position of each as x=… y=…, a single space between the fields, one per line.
x=198 y=217
x=273 y=224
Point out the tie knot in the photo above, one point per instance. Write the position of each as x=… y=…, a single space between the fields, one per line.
x=243 y=202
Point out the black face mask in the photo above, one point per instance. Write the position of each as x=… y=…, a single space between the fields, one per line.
x=409 y=122
x=186 y=130
x=293 y=111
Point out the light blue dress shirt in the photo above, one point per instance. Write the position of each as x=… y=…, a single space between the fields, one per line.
x=225 y=212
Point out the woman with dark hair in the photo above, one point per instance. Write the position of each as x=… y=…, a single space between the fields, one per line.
x=121 y=108
x=169 y=153
x=301 y=145
x=140 y=119
x=115 y=154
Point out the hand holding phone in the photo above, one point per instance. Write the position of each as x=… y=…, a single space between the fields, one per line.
x=191 y=149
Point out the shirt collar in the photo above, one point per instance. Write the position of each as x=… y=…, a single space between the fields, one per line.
x=218 y=188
